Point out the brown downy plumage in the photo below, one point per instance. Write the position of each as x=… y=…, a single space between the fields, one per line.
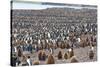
x=73 y=60
x=40 y=55
x=43 y=56
x=20 y=52
x=36 y=63
x=67 y=46
x=50 y=59
x=60 y=55
x=71 y=53
x=91 y=53
x=66 y=56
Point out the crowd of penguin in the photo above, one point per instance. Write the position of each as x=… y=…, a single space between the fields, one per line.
x=41 y=37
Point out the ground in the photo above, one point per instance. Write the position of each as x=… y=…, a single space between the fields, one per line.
x=80 y=53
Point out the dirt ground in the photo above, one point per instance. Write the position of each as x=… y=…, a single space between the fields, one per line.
x=80 y=53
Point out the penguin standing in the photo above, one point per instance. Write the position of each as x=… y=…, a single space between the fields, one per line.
x=60 y=55
x=20 y=52
x=91 y=52
x=43 y=56
x=50 y=59
x=66 y=56
x=70 y=52
x=29 y=61
x=51 y=50
x=40 y=55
